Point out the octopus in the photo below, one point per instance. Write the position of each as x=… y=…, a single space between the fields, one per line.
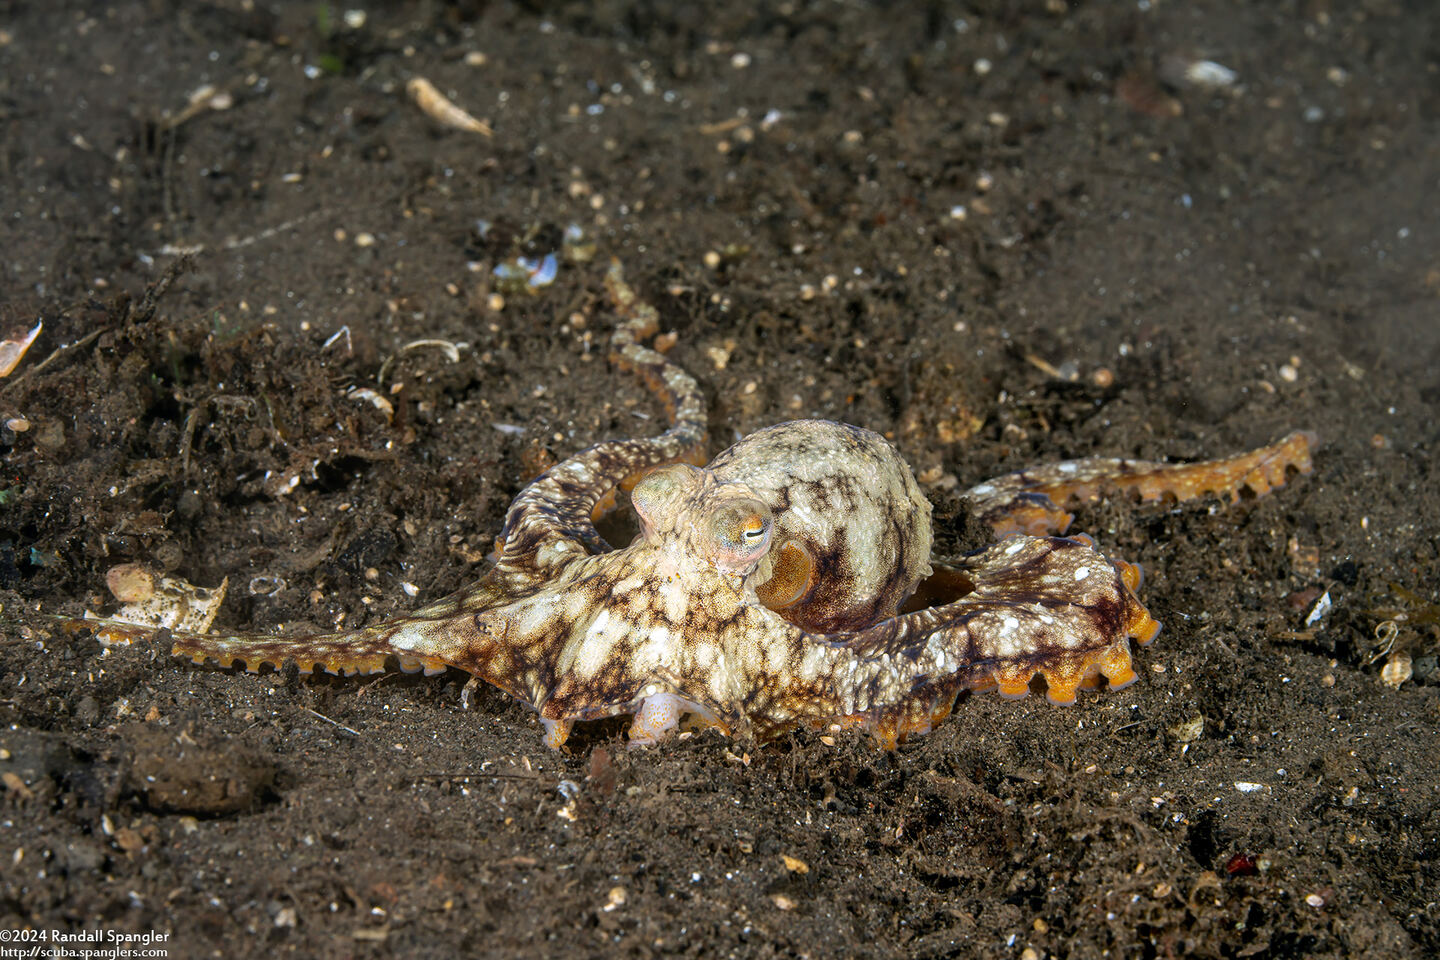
x=786 y=583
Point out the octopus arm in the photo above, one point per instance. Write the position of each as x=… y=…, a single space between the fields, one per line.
x=445 y=633
x=1033 y=501
x=553 y=519
x=1034 y=605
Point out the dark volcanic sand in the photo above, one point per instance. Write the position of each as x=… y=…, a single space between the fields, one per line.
x=1243 y=261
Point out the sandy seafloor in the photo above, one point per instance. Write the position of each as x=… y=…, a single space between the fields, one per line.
x=1001 y=233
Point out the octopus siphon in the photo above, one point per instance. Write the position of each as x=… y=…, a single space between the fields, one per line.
x=788 y=583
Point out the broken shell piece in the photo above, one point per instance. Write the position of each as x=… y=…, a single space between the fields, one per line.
x=438 y=108
x=376 y=400
x=171 y=603
x=13 y=351
x=1397 y=670
x=526 y=274
x=1209 y=74
x=451 y=350
x=201 y=99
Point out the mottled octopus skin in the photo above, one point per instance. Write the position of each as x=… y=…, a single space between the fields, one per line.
x=763 y=590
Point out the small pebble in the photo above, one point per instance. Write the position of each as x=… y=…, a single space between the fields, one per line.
x=364 y=239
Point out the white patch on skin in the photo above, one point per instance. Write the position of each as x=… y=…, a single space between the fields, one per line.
x=1015 y=548
x=594 y=649
x=1067 y=467
x=675 y=596
x=1081 y=573
x=657 y=647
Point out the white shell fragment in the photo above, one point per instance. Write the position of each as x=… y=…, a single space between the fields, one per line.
x=13 y=351
x=158 y=601
x=376 y=400
x=1208 y=73
x=438 y=107
x=1397 y=670
x=1317 y=612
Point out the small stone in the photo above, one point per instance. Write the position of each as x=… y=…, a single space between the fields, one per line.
x=82 y=857
x=1188 y=731
x=795 y=865
x=87 y=711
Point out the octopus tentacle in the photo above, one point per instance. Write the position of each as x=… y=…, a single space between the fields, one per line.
x=1033 y=500
x=552 y=520
x=1049 y=606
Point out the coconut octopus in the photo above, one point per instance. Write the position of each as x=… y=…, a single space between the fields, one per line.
x=787 y=583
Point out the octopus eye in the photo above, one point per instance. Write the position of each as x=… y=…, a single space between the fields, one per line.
x=739 y=535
